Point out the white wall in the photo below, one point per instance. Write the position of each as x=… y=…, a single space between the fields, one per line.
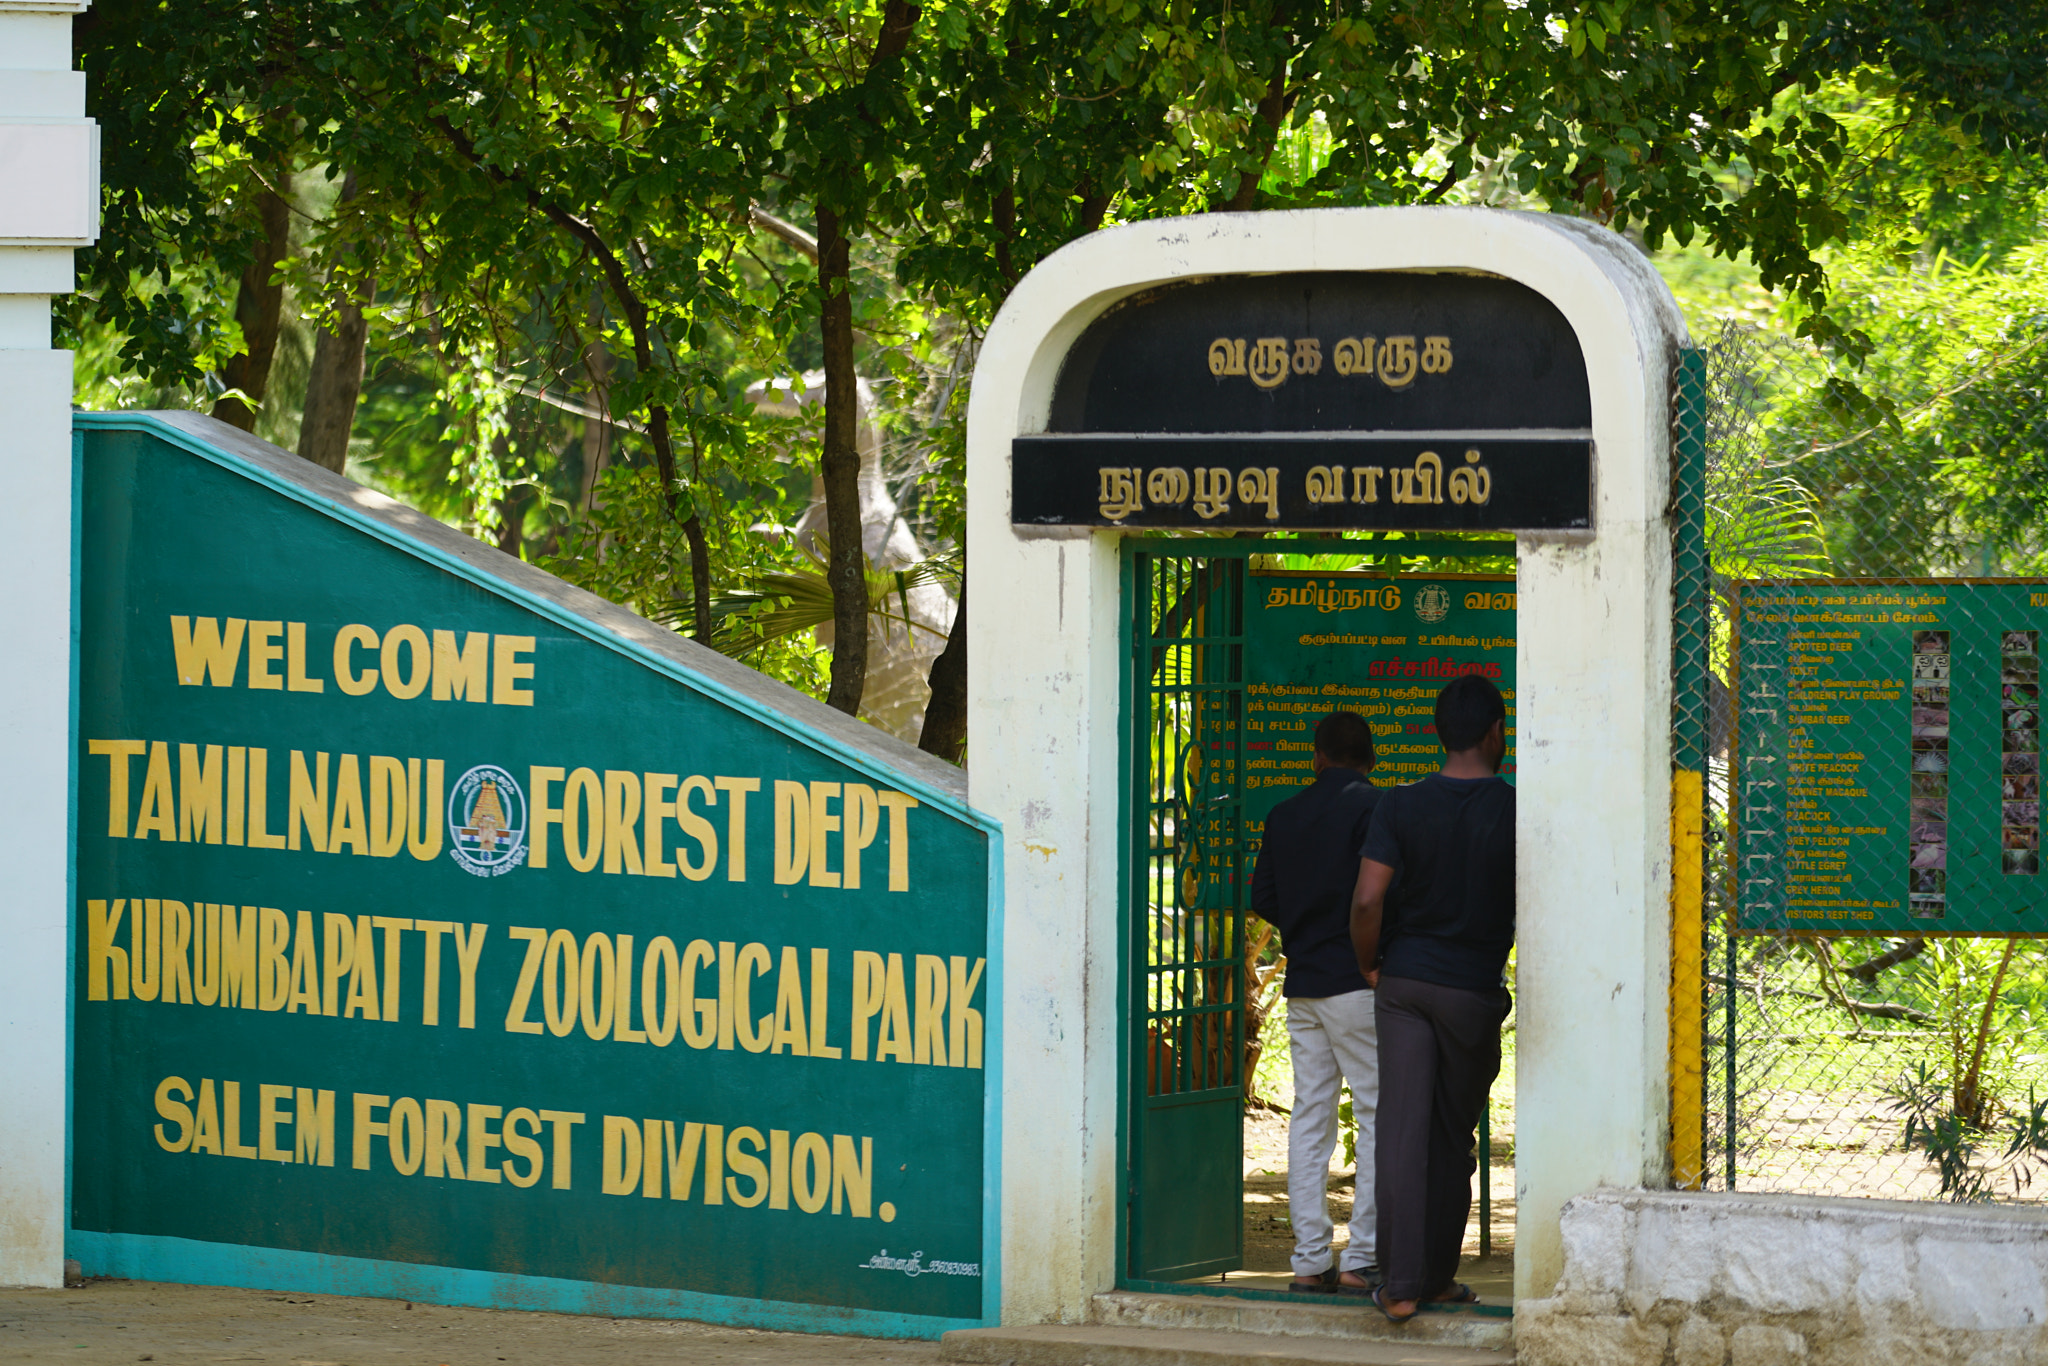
x=1657 y=1276
x=1594 y=673
x=49 y=203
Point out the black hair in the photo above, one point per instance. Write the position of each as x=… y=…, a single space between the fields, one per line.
x=1465 y=710
x=1345 y=738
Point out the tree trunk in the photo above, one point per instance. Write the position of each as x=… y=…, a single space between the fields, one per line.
x=597 y=432
x=945 y=716
x=512 y=520
x=1272 y=112
x=259 y=302
x=336 y=381
x=839 y=464
x=335 y=384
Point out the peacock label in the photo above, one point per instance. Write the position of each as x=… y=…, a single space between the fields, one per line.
x=487 y=822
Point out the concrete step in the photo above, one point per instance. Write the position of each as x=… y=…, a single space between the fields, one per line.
x=1097 y=1345
x=1339 y=1317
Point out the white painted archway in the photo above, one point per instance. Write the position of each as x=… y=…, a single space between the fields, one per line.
x=1593 y=665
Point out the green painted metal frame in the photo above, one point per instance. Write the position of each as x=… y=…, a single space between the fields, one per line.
x=1136 y=864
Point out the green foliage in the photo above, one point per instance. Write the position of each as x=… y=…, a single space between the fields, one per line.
x=1957 y=1147
x=560 y=209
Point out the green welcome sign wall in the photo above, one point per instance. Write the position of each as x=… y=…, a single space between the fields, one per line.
x=442 y=931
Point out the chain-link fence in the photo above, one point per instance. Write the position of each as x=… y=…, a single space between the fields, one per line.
x=1856 y=729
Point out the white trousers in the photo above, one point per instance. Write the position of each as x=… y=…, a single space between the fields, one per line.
x=1332 y=1040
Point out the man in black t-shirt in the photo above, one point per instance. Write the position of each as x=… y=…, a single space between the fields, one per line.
x=1307 y=866
x=1433 y=919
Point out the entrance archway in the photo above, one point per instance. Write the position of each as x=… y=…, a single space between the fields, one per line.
x=1046 y=720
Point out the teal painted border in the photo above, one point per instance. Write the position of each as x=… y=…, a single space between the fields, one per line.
x=992 y=1099
x=141 y=1257
x=144 y=1257
x=555 y=612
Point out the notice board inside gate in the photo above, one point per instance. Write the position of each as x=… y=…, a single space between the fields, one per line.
x=1382 y=646
x=444 y=931
x=1886 y=764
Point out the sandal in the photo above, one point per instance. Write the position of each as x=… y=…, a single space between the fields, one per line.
x=1324 y=1283
x=1369 y=1274
x=1381 y=1305
x=1459 y=1293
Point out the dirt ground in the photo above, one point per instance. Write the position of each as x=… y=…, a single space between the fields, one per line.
x=108 y=1322
x=1269 y=1227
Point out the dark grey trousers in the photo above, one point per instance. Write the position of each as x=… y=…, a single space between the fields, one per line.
x=1439 y=1054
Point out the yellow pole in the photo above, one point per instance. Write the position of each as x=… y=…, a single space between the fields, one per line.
x=1688 y=1159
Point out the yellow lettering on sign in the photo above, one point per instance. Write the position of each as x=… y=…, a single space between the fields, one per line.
x=658 y=808
x=118 y=753
x=562 y=1123
x=540 y=814
x=315 y=1127
x=264 y=651
x=296 y=678
x=621 y=815
x=481 y=1141
x=345 y=676
x=306 y=805
x=174 y=1109
x=158 y=811
x=508 y=670
x=792 y=831
x=106 y=963
x=206 y=1120
x=523 y=1146
x=697 y=828
x=409 y=643
x=238 y=944
x=460 y=674
x=204 y=653
x=736 y=790
x=529 y=973
x=823 y=824
x=863 y=820
x=899 y=806
x=199 y=794
x=444 y=1132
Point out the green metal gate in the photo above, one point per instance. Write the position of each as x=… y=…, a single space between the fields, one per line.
x=1190 y=878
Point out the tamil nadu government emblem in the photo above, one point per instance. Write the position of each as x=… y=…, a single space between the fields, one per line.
x=487 y=821
x=1433 y=602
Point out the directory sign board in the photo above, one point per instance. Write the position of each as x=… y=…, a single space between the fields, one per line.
x=428 y=915
x=1396 y=401
x=1887 y=756
x=1378 y=645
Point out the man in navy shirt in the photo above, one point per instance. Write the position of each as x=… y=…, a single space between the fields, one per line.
x=1307 y=866
x=1433 y=919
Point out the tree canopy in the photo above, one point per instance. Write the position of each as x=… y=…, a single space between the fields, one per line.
x=566 y=236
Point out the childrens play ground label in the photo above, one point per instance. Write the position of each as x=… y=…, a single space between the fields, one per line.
x=1887 y=760
x=443 y=931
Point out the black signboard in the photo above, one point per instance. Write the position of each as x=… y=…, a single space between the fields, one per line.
x=1393 y=483
x=1397 y=401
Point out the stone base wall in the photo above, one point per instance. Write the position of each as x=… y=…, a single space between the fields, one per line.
x=1665 y=1278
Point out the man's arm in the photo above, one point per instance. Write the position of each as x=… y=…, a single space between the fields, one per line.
x=1368 y=908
